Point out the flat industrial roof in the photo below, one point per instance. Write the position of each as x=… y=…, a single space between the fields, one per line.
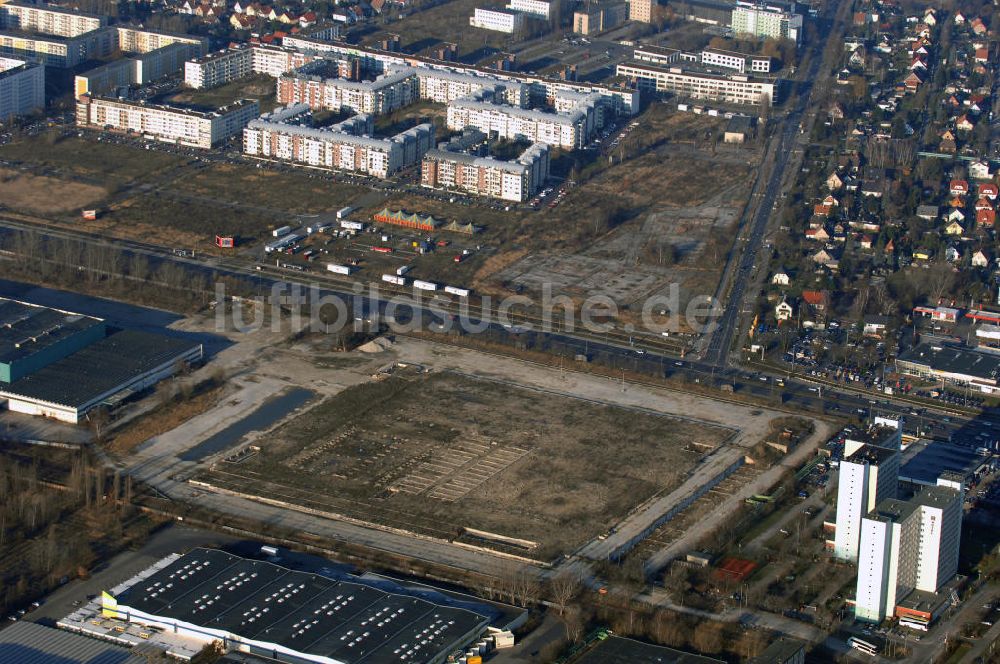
x=938 y=457
x=618 y=650
x=30 y=643
x=27 y=329
x=304 y=612
x=78 y=379
x=951 y=359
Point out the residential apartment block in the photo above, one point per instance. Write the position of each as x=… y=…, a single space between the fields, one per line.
x=868 y=476
x=139 y=40
x=321 y=84
x=599 y=18
x=444 y=86
x=907 y=546
x=565 y=130
x=286 y=134
x=22 y=88
x=640 y=10
x=617 y=99
x=140 y=70
x=48 y=19
x=222 y=67
x=498 y=20
x=450 y=167
x=695 y=83
x=766 y=21
x=56 y=51
x=166 y=123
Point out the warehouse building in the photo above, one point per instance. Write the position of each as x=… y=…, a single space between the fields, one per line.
x=104 y=373
x=952 y=363
x=22 y=87
x=264 y=609
x=287 y=134
x=32 y=337
x=166 y=123
x=30 y=643
x=61 y=364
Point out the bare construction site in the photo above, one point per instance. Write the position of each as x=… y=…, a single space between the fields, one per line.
x=473 y=460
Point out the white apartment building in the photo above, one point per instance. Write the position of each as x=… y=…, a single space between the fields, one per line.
x=567 y=130
x=56 y=51
x=138 y=40
x=285 y=135
x=692 y=83
x=546 y=9
x=232 y=64
x=741 y=62
x=515 y=180
x=22 y=88
x=166 y=123
x=906 y=546
x=320 y=85
x=219 y=68
x=498 y=20
x=48 y=19
x=868 y=476
x=444 y=86
x=766 y=21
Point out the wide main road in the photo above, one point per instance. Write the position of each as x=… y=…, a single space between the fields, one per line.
x=739 y=272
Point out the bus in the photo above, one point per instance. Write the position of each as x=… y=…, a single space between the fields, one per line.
x=913 y=622
x=867 y=645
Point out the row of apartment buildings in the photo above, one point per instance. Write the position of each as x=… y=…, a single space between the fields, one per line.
x=538 y=90
x=64 y=38
x=165 y=123
x=139 y=70
x=450 y=166
x=287 y=134
x=22 y=87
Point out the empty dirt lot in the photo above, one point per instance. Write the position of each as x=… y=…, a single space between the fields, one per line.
x=21 y=191
x=438 y=453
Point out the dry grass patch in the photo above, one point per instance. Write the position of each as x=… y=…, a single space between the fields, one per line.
x=46 y=195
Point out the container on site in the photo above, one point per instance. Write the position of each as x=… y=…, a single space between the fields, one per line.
x=344 y=211
x=425 y=285
x=403 y=270
x=284 y=230
x=455 y=290
x=352 y=225
x=475 y=659
x=393 y=279
x=339 y=269
x=316 y=228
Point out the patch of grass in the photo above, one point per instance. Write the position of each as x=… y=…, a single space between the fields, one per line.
x=260 y=87
x=106 y=163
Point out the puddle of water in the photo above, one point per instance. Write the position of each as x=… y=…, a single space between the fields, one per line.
x=263 y=417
